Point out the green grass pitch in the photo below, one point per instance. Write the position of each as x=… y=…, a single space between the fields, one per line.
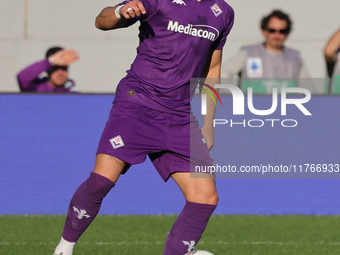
x=145 y=235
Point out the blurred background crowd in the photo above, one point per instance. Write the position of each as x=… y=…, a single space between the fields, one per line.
x=29 y=28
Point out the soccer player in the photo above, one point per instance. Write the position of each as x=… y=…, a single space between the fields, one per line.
x=151 y=115
x=49 y=74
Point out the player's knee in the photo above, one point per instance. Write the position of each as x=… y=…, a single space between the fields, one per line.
x=206 y=197
x=210 y=196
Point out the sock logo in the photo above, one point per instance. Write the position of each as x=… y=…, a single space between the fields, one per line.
x=81 y=213
x=191 y=245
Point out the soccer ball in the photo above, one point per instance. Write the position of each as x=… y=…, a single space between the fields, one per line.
x=199 y=252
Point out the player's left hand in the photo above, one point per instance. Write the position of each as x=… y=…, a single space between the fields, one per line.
x=132 y=9
x=208 y=134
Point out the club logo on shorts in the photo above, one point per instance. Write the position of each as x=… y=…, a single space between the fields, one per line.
x=117 y=142
x=216 y=10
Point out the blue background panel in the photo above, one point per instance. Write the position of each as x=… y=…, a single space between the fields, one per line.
x=48 y=145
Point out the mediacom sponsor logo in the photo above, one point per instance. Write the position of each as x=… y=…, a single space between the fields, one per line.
x=239 y=107
x=202 y=31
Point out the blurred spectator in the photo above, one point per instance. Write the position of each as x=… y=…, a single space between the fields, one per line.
x=332 y=56
x=268 y=64
x=49 y=74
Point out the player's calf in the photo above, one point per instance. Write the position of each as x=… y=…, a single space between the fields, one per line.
x=188 y=228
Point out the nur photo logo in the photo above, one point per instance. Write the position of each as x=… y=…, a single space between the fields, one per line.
x=297 y=97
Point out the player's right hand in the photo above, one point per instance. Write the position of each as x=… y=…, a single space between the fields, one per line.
x=132 y=9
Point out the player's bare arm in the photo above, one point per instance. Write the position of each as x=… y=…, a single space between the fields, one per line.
x=115 y=17
x=330 y=52
x=213 y=74
x=332 y=47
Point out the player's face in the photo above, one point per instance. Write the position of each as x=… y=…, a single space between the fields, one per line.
x=275 y=34
x=59 y=77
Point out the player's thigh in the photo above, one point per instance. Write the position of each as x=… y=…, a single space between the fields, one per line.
x=197 y=188
x=109 y=166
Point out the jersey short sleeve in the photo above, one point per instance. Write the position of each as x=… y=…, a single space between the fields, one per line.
x=229 y=22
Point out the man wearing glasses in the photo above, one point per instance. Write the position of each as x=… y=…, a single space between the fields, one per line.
x=268 y=64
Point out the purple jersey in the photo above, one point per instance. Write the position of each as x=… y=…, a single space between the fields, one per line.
x=176 y=37
x=34 y=78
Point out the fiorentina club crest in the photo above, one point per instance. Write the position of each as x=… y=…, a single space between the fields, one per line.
x=216 y=10
x=117 y=142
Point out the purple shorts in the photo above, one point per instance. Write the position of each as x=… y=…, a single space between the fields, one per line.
x=173 y=142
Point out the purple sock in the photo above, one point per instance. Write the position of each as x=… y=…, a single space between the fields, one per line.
x=85 y=205
x=188 y=228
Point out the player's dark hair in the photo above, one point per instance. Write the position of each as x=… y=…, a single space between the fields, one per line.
x=277 y=14
x=53 y=50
